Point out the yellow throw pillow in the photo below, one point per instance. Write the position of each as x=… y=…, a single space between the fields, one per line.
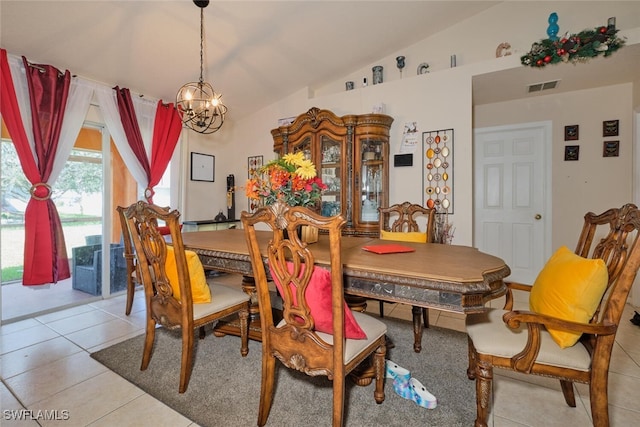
x=200 y=291
x=411 y=236
x=569 y=287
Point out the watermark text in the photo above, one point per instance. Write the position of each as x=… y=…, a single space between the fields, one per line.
x=36 y=414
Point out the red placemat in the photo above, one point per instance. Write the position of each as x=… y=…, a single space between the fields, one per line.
x=390 y=248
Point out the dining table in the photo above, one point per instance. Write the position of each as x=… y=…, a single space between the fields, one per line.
x=454 y=278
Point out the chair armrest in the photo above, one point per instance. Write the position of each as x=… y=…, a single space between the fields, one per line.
x=524 y=360
x=518 y=286
x=514 y=318
x=514 y=286
x=84 y=255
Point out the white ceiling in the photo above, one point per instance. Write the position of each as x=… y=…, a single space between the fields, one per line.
x=256 y=52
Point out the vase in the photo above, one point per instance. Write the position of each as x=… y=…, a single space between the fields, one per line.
x=377 y=74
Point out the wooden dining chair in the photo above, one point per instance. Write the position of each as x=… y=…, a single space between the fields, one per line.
x=575 y=307
x=399 y=222
x=130 y=260
x=177 y=294
x=319 y=334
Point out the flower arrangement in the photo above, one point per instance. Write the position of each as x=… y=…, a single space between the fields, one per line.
x=291 y=178
x=574 y=47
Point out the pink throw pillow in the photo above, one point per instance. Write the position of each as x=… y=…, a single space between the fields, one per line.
x=164 y=230
x=318 y=297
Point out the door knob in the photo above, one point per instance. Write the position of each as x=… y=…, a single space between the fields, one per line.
x=538 y=216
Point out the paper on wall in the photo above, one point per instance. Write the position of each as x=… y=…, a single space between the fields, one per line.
x=409 y=138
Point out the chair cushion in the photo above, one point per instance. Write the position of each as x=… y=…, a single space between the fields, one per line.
x=373 y=328
x=410 y=236
x=490 y=335
x=200 y=291
x=225 y=297
x=318 y=296
x=569 y=287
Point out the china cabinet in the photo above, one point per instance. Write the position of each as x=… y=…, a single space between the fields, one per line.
x=351 y=154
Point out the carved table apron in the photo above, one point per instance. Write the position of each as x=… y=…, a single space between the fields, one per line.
x=445 y=277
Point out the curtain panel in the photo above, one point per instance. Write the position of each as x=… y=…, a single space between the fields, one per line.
x=43 y=109
x=166 y=132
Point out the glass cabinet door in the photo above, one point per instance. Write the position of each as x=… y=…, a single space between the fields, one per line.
x=332 y=174
x=304 y=145
x=371 y=179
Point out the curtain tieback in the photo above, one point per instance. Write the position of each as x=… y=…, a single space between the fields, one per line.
x=40 y=191
x=148 y=193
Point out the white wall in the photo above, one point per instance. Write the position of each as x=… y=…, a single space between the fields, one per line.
x=519 y=23
x=438 y=100
x=434 y=103
x=593 y=183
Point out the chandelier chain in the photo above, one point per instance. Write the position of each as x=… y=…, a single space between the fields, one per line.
x=201 y=42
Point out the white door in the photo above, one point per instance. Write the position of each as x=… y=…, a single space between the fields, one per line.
x=511 y=197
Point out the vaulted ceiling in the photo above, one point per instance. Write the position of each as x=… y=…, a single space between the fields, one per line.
x=257 y=52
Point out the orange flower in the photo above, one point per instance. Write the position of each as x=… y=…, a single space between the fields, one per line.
x=251 y=189
x=298 y=183
x=278 y=178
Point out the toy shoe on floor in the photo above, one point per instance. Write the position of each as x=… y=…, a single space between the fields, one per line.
x=415 y=391
x=393 y=370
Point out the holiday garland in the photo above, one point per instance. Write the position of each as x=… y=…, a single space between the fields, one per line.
x=574 y=48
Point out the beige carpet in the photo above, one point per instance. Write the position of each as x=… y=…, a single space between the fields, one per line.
x=225 y=388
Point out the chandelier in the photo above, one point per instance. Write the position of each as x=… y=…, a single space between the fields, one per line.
x=200 y=107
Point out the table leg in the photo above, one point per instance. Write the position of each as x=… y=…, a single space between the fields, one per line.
x=417 y=328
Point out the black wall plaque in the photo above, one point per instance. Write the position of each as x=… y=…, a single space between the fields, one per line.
x=403 y=160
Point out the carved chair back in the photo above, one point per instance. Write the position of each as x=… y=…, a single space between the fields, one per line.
x=620 y=249
x=151 y=252
x=402 y=218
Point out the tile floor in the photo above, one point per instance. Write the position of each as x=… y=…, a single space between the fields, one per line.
x=45 y=366
x=21 y=302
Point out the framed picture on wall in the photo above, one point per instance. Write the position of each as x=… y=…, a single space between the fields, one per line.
x=571 y=152
x=571 y=132
x=610 y=128
x=202 y=167
x=610 y=148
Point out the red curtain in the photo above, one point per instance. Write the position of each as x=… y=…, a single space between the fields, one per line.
x=45 y=254
x=166 y=131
